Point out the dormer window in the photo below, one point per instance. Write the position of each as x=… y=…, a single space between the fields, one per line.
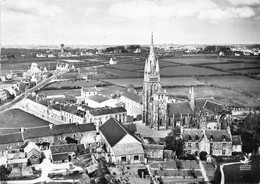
x=211 y=137
x=197 y=137
x=223 y=137
x=189 y=137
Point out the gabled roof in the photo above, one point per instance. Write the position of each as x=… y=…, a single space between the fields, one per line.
x=103 y=111
x=218 y=135
x=64 y=148
x=11 y=138
x=98 y=98
x=133 y=96
x=87 y=127
x=192 y=135
x=65 y=128
x=177 y=108
x=113 y=131
x=236 y=140
x=37 y=132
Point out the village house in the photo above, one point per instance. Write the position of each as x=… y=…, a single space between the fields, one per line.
x=10 y=141
x=153 y=152
x=132 y=103
x=32 y=152
x=120 y=143
x=63 y=153
x=101 y=115
x=87 y=92
x=215 y=142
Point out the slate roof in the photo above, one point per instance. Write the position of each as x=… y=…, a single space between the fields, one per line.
x=133 y=96
x=192 y=135
x=218 y=135
x=37 y=132
x=11 y=138
x=60 y=156
x=178 y=108
x=113 y=131
x=64 y=148
x=87 y=127
x=65 y=128
x=212 y=106
x=103 y=111
x=236 y=140
x=98 y=98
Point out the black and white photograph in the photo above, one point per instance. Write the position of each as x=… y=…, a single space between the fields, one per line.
x=129 y=91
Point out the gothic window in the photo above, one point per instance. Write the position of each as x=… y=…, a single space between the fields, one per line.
x=223 y=152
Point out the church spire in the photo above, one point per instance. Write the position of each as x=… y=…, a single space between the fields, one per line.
x=152 y=47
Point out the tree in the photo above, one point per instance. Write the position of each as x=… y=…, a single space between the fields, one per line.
x=4 y=172
x=174 y=142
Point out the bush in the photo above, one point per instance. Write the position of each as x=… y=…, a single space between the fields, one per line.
x=203 y=155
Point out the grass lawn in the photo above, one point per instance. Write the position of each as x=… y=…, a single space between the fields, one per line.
x=16 y=118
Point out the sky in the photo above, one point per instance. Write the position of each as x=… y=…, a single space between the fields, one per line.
x=121 y=22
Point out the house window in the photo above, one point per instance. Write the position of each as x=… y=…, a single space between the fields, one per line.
x=189 y=145
x=197 y=145
x=59 y=137
x=224 y=145
x=123 y=159
x=136 y=157
x=189 y=151
x=223 y=152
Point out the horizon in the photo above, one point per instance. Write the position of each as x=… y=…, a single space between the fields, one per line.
x=100 y=22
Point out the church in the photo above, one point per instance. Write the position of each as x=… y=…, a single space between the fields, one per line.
x=160 y=110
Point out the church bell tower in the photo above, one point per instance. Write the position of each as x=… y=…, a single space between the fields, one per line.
x=151 y=84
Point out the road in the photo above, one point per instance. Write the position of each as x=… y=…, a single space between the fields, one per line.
x=21 y=96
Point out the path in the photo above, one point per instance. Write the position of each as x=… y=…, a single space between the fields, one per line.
x=204 y=174
x=222 y=171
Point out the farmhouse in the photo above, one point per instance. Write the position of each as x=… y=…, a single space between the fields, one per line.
x=215 y=142
x=121 y=144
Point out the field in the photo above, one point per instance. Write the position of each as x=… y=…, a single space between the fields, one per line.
x=73 y=84
x=116 y=73
x=105 y=90
x=189 y=71
x=226 y=96
x=14 y=119
x=171 y=81
x=248 y=71
x=233 y=66
x=187 y=60
x=239 y=82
